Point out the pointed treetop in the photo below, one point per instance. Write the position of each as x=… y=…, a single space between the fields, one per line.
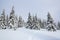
x=12 y=11
x=29 y=13
x=36 y=16
x=50 y=19
x=12 y=7
x=48 y=14
x=3 y=12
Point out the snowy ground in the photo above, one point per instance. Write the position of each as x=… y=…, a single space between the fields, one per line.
x=27 y=34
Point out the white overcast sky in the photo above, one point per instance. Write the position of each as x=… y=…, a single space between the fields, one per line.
x=39 y=7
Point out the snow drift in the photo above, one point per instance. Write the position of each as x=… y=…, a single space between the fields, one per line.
x=27 y=34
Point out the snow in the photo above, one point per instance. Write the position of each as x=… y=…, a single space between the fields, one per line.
x=27 y=34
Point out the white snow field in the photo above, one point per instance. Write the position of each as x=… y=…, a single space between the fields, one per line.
x=27 y=34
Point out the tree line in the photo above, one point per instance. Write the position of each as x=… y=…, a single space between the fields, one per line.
x=32 y=22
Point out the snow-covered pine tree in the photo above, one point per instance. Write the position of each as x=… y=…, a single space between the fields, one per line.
x=12 y=19
x=3 y=19
x=58 y=26
x=40 y=23
x=44 y=24
x=29 y=22
x=35 y=23
x=6 y=21
x=15 y=22
x=50 y=24
x=0 y=22
x=20 y=22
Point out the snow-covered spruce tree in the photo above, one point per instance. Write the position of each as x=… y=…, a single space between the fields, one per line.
x=50 y=23
x=35 y=23
x=20 y=22
x=13 y=21
x=0 y=22
x=58 y=26
x=11 y=18
x=39 y=23
x=43 y=24
x=29 y=22
x=3 y=19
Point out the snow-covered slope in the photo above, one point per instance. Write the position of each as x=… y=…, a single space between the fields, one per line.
x=27 y=34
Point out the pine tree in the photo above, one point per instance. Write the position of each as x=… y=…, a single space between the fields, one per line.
x=58 y=25
x=50 y=24
x=35 y=23
x=40 y=23
x=3 y=19
x=44 y=24
x=12 y=18
x=29 y=22
x=0 y=22
x=15 y=23
x=20 y=22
